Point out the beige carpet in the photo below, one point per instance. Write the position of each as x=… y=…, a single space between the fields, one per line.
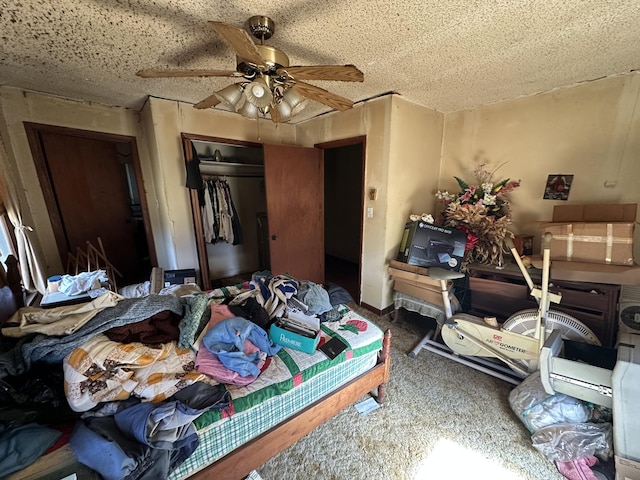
x=441 y=420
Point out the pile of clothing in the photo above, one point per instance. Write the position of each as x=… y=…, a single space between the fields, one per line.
x=114 y=371
x=577 y=436
x=122 y=379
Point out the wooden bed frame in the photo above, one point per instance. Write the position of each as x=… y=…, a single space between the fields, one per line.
x=249 y=456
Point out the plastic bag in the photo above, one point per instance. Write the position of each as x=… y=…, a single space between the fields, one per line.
x=570 y=441
x=538 y=409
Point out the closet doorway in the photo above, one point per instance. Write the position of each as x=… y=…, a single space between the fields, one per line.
x=344 y=162
x=90 y=183
x=292 y=191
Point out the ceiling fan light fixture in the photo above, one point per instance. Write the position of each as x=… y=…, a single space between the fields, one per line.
x=296 y=102
x=231 y=95
x=284 y=111
x=248 y=110
x=258 y=93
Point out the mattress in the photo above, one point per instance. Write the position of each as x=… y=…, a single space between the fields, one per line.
x=292 y=381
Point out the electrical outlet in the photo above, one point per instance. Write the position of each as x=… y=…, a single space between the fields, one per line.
x=370 y=212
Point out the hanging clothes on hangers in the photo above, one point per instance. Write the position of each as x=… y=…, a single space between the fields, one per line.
x=219 y=215
x=208 y=215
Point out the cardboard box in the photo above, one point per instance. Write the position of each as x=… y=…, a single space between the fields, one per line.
x=627 y=469
x=607 y=243
x=427 y=245
x=409 y=268
x=412 y=280
x=615 y=212
x=592 y=272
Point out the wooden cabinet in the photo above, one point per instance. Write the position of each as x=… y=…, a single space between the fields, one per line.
x=501 y=293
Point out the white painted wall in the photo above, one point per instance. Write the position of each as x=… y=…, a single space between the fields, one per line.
x=590 y=130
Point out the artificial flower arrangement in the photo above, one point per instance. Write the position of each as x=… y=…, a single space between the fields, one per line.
x=482 y=210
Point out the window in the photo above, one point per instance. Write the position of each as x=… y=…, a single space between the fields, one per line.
x=7 y=241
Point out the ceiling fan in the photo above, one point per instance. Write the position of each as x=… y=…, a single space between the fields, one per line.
x=269 y=86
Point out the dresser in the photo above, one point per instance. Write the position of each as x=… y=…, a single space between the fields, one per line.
x=503 y=292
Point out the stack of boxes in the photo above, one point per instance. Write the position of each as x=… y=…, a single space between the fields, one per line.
x=603 y=235
x=414 y=281
x=425 y=246
x=592 y=233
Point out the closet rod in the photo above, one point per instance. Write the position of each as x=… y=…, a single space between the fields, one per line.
x=211 y=176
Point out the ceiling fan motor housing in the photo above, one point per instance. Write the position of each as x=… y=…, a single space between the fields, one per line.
x=274 y=59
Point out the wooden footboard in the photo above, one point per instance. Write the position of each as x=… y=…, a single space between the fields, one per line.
x=241 y=461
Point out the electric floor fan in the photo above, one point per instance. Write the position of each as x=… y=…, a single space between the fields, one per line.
x=478 y=342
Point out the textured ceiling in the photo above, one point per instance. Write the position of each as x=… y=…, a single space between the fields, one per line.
x=447 y=55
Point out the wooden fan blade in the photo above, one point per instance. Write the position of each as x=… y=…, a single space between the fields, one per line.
x=321 y=95
x=239 y=41
x=341 y=73
x=151 y=73
x=208 y=102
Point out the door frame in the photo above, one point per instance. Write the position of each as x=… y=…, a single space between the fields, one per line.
x=345 y=142
x=201 y=246
x=33 y=131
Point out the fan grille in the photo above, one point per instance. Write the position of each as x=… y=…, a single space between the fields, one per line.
x=524 y=322
x=630 y=316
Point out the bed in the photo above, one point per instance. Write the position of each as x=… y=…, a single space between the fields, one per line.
x=296 y=393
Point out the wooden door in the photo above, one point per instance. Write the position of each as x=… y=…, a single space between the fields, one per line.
x=91 y=199
x=294 y=182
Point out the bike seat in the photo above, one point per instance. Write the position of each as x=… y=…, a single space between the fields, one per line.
x=442 y=274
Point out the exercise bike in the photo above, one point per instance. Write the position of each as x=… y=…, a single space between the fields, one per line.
x=479 y=342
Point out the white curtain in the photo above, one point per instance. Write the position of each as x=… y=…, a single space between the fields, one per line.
x=33 y=276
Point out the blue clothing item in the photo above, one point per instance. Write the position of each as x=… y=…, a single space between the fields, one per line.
x=134 y=444
x=315 y=297
x=165 y=425
x=21 y=446
x=273 y=292
x=226 y=339
x=101 y=446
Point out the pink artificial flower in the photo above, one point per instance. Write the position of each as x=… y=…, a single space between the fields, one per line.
x=472 y=239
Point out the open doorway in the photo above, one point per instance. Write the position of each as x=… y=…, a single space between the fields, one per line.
x=343 y=207
x=90 y=182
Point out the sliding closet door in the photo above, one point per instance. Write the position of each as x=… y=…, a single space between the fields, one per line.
x=294 y=180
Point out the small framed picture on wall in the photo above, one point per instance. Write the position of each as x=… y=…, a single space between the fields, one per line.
x=558 y=187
